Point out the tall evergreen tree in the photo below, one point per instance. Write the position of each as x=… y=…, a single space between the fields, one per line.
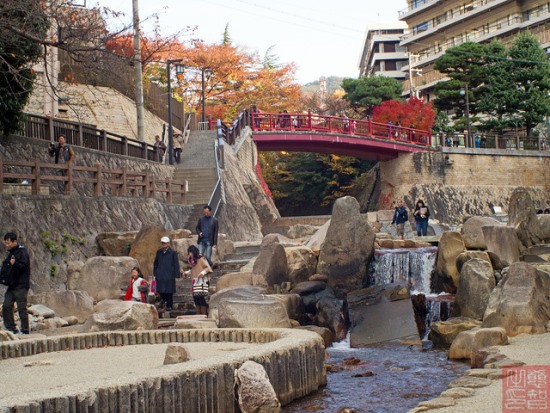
x=365 y=93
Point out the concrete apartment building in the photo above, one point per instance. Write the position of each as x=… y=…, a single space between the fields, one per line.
x=436 y=25
x=382 y=53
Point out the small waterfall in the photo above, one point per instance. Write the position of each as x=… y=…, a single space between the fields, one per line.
x=412 y=267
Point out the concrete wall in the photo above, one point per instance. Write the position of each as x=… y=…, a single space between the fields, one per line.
x=293 y=360
x=457 y=183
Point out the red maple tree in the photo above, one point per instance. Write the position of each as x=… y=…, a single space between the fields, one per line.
x=413 y=113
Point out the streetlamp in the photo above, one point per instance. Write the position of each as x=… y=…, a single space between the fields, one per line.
x=179 y=71
x=208 y=72
x=464 y=92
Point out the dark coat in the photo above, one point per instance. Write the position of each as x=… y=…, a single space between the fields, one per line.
x=21 y=269
x=212 y=236
x=166 y=269
x=418 y=216
x=401 y=215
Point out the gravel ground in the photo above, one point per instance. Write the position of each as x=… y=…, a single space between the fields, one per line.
x=534 y=350
x=72 y=372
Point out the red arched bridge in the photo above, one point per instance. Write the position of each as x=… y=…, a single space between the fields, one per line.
x=306 y=132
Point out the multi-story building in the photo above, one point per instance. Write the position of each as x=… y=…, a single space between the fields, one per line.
x=436 y=25
x=382 y=54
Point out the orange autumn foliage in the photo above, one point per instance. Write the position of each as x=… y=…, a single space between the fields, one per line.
x=413 y=113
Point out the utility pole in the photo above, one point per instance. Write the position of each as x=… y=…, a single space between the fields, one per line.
x=138 y=74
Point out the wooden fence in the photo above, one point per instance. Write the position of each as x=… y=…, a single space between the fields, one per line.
x=95 y=181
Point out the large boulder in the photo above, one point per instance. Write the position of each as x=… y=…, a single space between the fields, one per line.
x=451 y=245
x=520 y=303
x=443 y=333
x=270 y=267
x=115 y=244
x=331 y=313
x=522 y=216
x=260 y=312
x=472 y=233
x=347 y=248
x=238 y=293
x=467 y=343
x=469 y=255
x=122 y=315
x=544 y=223
x=254 y=391
x=292 y=303
x=234 y=279
x=145 y=247
x=503 y=242
x=101 y=277
x=66 y=303
x=302 y=263
x=474 y=288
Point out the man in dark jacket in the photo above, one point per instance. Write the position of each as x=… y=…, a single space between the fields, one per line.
x=207 y=230
x=15 y=273
x=400 y=216
x=166 y=269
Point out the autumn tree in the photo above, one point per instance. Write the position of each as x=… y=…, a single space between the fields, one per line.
x=410 y=114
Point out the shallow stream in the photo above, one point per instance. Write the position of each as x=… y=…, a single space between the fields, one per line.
x=402 y=376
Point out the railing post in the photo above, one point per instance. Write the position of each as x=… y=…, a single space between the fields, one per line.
x=103 y=140
x=125 y=145
x=69 y=182
x=369 y=123
x=36 y=178
x=50 y=129
x=146 y=185
x=309 y=119
x=80 y=135
x=98 y=181
x=145 y=151
x=152 y=188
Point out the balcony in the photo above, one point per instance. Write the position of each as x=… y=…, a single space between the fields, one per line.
x=420 y=7
x=428 y=29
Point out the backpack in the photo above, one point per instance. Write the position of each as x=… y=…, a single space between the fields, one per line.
x=6 y=273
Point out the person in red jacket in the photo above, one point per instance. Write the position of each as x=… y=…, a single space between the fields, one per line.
x=138 y=287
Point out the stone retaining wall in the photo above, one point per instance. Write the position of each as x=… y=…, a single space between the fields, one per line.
x=293 y=360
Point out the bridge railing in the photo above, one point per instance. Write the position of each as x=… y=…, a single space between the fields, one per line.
x=78 y=134
x=308 y=122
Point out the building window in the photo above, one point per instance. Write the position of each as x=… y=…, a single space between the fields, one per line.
x=389 y=47
x=422 y=27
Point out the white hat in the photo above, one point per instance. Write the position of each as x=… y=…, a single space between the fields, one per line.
x=165 y=239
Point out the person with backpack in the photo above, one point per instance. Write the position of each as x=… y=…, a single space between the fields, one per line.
x=15 y=274
x=400 y=216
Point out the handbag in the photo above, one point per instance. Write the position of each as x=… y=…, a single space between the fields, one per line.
x=200 y=289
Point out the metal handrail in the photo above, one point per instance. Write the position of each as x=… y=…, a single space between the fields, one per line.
x=218 y=194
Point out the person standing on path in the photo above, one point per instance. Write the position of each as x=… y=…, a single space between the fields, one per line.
x=421 y=215
x=207 y=230
x=200 y=273
x=160 y=148
x=138 y=287
x=178 y=147
x=166 y=269
x=400 y=216
x=16 y=274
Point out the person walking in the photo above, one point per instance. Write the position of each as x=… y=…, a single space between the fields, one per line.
x=160 y=148
x=200 y=273
x=178 y=147
x=400 y=216
x=421 y=215
x=15 y=274
x=166 y=269
x=207 y=230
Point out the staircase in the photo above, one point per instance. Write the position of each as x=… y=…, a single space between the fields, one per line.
x=183 y=299
x=198 y=167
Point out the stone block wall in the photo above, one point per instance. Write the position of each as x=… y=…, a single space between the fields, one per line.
x=293 y=360
x=460 y=183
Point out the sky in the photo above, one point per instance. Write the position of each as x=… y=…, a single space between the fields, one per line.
x=322 y=37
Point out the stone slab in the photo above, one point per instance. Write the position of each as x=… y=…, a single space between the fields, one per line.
x=384 y=321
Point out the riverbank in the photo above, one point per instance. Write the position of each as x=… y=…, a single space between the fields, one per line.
x=533 y=350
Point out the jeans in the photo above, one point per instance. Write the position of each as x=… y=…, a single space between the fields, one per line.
x=16 y=295
x=205 y=249
x=422 y=228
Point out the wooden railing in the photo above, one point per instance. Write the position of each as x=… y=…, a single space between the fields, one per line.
x=95 y=181
x=49 y=129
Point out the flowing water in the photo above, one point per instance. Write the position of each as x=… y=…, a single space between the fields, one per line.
x=389 y=377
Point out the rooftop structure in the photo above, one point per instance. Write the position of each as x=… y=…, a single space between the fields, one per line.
x=382 y=55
